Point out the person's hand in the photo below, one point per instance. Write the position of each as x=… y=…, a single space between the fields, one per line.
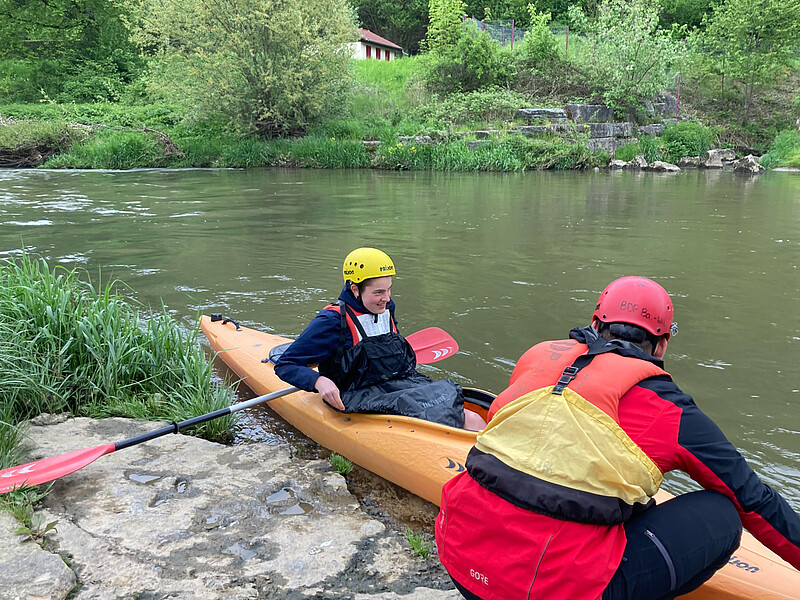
x=329 y=392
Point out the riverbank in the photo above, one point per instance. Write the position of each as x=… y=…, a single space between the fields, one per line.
x=182 y=517
x=519 y=144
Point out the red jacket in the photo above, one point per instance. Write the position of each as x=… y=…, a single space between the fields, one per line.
x=499 y=550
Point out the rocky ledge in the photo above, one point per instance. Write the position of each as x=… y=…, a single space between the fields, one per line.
x=181 y=517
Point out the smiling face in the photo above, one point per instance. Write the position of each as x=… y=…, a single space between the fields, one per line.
x=375 y=293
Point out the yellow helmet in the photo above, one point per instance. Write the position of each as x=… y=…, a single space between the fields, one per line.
x=366 y=263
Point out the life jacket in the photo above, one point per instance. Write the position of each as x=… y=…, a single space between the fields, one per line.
x=539 y=512
x=554 y=445
x=375 y=356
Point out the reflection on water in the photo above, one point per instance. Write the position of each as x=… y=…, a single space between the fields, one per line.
x=500 y=261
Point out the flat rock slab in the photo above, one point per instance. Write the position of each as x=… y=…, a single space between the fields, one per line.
x=181 y=517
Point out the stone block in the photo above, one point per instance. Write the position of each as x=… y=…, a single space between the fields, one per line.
x=585 y=113
x=662 y=167
x=603 y=130
x=534 y=130
x=655 y=130
x=541 y=114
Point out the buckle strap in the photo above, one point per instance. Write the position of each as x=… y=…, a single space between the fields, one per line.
x=567 y=375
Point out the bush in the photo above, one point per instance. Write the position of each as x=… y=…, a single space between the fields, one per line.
x=475 y=61
x=271 y=66
x=685 y=139
x=632 y=58
x=489 y=105
x=112 y=149
x=785 y=151
x=539 y=48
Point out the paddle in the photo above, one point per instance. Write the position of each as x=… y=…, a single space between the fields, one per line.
x=431 y=344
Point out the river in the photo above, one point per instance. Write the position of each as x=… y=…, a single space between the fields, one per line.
x=500 y=261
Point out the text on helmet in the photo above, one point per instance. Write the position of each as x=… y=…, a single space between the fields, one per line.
x=633 y=307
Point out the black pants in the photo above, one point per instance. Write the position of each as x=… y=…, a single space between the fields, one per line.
x=673 y=548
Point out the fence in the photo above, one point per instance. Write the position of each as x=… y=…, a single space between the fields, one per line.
x=506 y=33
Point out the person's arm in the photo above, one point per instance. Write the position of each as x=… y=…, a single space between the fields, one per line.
x=702 y=450
x=317 y=343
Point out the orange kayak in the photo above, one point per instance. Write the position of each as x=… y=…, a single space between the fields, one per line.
x=421 y=456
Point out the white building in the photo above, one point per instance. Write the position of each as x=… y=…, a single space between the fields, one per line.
x=374 y=46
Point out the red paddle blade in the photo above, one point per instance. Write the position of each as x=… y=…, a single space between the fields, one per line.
x=432 y=344
x=52 y=468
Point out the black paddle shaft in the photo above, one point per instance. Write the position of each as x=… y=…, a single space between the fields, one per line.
x=177 y=427
x=173 y=428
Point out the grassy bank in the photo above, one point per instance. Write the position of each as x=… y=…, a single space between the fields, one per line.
x=67 y=345
x=389 y=102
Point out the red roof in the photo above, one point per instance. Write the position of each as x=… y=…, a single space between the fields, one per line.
x=374 y=38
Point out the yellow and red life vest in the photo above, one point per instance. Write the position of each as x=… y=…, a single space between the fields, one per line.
x=554 y=444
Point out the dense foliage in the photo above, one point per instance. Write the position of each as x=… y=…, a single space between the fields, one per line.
x=66 y=49
x=631 y=59
x=275 y=65
x=749 y=43
x=217 y=77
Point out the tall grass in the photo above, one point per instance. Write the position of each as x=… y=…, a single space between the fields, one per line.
x=785 y=151
x=513 y=153
x=70 y=346
x=113 y=149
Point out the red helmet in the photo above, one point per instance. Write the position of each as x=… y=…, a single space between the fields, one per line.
x=638 y=301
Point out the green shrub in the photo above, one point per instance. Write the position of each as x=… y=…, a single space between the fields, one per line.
x=785 y=151
x=475 y=61
x=57 y=136
x=685 y=139
x=490 y=105
x=539 y=48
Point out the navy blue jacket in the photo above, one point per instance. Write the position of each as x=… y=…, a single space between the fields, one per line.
x=317 y=343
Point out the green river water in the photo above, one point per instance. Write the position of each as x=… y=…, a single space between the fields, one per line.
x=499 y=261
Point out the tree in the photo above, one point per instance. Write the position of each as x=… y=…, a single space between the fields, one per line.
x=446 y=23
x=632 y=59
x=749 y=42
x=70 y=49
x=402 y=21
x=499 y=9
x=273 y=64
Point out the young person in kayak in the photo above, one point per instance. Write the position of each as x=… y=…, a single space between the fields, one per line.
x=556 y=500
x=365 y=365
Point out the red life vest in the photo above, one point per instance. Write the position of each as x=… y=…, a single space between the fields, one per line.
x=550 y=480
x=351 y=322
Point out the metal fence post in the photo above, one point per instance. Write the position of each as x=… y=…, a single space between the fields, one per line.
x=512 y=34
x=566 y=50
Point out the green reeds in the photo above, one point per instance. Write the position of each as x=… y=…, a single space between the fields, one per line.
x=71 y=347
x=512 y=153
x=785 y=151
x=113 y=149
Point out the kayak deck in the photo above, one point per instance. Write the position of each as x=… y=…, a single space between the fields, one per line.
x=421 y=456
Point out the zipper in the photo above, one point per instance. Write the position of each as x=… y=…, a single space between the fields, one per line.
x=673 y=579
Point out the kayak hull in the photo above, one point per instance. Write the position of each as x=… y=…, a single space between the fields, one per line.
x=421 y=456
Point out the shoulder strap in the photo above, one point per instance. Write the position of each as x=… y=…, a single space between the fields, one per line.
x=355 y=320
x=599 y=346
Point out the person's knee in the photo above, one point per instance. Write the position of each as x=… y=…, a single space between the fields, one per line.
x=726 y=520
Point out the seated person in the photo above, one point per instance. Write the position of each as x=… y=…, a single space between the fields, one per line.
x=365 y=365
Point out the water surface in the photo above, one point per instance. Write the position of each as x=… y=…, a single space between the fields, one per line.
x=499 y=261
